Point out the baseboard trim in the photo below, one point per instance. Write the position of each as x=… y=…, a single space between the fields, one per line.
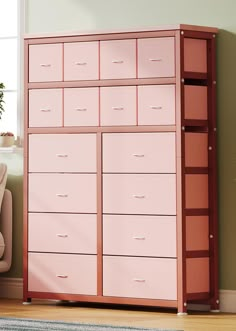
x=12 y=288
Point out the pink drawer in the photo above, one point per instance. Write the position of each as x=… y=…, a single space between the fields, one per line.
x=195 y=55
x=62 y=233
x=139 y=235
x=197 y=275
x=45 y=62
x=156 y=57
x=81 y=60
x=62 y=273
x=81 y=106
x=62 y=153
x=197 y=233
x=45 y=108
x=139 y=194
x=139 y=152
x=62 y=193
x=118 y=59
x=196 y=149
x=156 y=105
x=195 y=102
x=196 y=191
x=118 y=105
x=135 y=277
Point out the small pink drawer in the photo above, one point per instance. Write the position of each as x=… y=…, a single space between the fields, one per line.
x=156 y=57
x=81 y=106
x=196 y=149
x=118 y=105
x=45 y=108
x=139 y=152
x=156 y=105
x=62 y=273
x=139 y=194
x=81 y=60
x=62 y=153
x=197 y=275
x=136 y=277
x=197 y=233
x=62 y=193
x=195 y=102
x=196 y=190
x=195 y=55
x=45 y=62
x=139 y=235
x=118 y=59
x=62 y=233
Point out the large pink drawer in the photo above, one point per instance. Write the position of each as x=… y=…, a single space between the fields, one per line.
x=81 y=60
x=139 y=152
x=156 y=57
x=62 y=153
x=139 y=235
x=118 y=59
x=62 y=273
x=62 y=193
x=136 y=277
x=118 y=105
x=139 y=194
x=45 y=62
x=81 y=106
x=45 y=107
x=62 y=233
x=156 y=105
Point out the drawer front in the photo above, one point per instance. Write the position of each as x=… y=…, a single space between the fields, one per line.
x=81 y=106
x=118 y=59
x=195 y=102
x=139 y=152
x=62 y=193
x=139 y=235
x=61 y=273
x=134 y=277
x=196 y=149
x=81 y=61
x=62 y=233
x=62 y=153
x=156 y=57
x=195 y=55
x=196 y=191
x=156 y=105
x=45 y=63
x=139 y=194
x=45 y=108
x=118 y=105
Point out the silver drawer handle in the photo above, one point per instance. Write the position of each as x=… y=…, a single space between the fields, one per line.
x=81 y=63
x=138 y=155
x=139 y=238
x=81 y=109
x=139 y=196
x=45 y=65
x=62 y=276
x=62 y=235
x=155 y=60
x=62 y=195
x=118 y=108
x=117 y=61
x=45 y=110
x=156 y=107
x=139 y=280
x=62 y=155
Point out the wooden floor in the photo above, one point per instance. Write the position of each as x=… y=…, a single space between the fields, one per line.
x=128 y=316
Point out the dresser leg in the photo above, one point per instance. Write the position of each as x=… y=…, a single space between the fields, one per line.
x=27 y=302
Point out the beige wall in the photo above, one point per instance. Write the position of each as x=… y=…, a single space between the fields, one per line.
x=75 y=15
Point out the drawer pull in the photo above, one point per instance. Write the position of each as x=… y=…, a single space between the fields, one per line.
x=62 y=235
x=139 y=280
x=62 y=276
x=156 y=107
x=81 y=63
x=138 y=155
x=118 y=108
x=139 y=196
x=62 y=195
x=45 y=110
x=117 y=61
x=155 y=60
x=45 y=65
x=139 y=238
x=81 y=109
x=62 y=155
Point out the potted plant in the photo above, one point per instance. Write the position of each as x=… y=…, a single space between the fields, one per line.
x=7 y=139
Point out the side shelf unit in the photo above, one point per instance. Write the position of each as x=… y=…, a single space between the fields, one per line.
x=120 y=190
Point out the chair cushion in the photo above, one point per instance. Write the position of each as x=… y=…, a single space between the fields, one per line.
x=3 y=180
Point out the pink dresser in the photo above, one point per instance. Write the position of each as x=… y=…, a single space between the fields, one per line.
x=120 y=167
